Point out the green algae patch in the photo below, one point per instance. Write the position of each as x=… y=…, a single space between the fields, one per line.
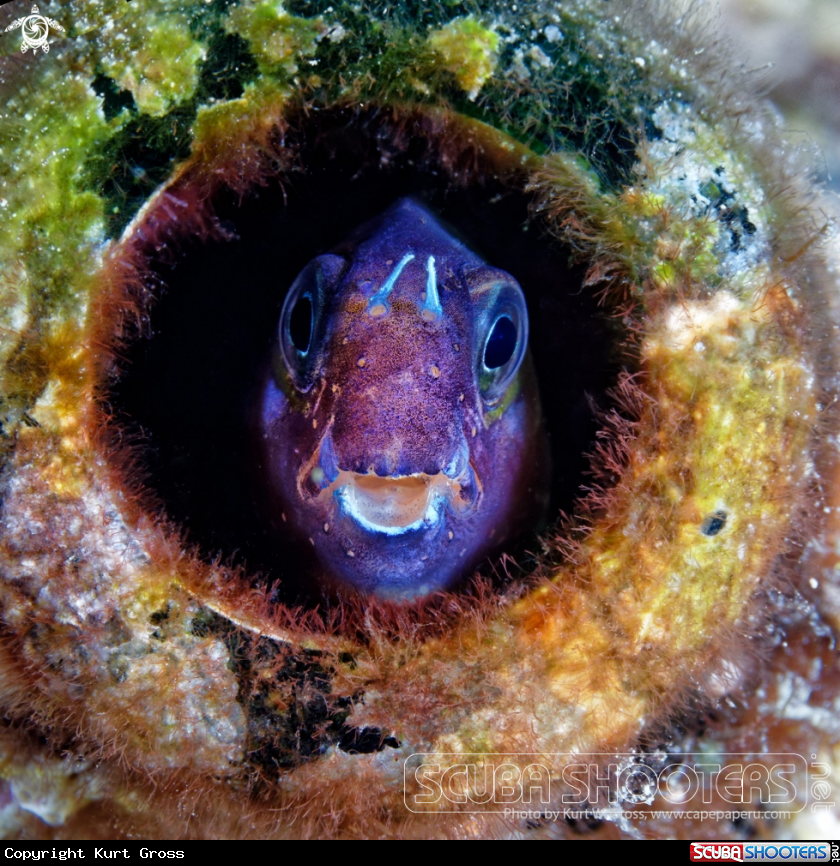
x=214 y=123
x=467 y=49
x=252 y=121
x=151 y=53
x=278 y=40
x=49 y=126
x=49 y=225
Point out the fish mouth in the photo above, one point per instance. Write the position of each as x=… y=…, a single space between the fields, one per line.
x=390 y=504
x=394 y=505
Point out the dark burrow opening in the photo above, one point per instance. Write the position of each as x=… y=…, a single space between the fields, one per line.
x=187 y=393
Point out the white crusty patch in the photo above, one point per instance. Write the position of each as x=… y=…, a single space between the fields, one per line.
x=688 y=322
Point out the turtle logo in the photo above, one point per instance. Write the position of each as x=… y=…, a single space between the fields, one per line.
x=35 y=30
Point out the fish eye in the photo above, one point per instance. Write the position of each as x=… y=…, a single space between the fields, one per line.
x=302 y=320
x=501 y=343
x=300 y=324
x=505 y=343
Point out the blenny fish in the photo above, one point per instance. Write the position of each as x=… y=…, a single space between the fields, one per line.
x=400 y=421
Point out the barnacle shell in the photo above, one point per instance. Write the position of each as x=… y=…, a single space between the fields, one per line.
x=142 y=684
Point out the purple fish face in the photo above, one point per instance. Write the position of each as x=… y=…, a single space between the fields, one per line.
x=400 y=422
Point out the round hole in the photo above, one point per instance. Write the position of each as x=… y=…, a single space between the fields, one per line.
x=212 y=342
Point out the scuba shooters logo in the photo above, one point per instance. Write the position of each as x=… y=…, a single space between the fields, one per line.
x=764 y=852
x=720 y=784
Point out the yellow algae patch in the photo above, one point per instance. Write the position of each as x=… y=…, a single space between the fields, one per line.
x=277 y=39
x=152 y=53
x=468 y=50
x=251 y=118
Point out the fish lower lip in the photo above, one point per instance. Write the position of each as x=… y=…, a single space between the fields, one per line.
x=378 y=519
x=393 y=505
